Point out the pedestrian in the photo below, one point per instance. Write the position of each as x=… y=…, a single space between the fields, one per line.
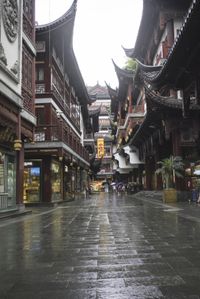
x=189 y=185
x=198 y=192
x=198 y=200
x=106 y=187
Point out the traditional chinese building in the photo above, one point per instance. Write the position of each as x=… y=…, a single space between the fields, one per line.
x=128 y=110
x=103 y=139
x=168 y=64
x=17 y=120
x=56 y=162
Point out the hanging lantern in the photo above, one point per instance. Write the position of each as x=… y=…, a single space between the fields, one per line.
x=17 y=145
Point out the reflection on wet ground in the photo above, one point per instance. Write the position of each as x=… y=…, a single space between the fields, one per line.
x=107 y=246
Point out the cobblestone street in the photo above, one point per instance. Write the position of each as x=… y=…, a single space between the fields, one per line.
x=107 y=246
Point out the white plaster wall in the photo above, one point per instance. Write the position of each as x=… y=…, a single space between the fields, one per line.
x=133 y=154
x=13 y=53
x=122 y=162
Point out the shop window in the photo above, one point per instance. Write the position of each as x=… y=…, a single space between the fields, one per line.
x=2 y=173
x=11 y=184
x=55 y=180
x=31 y=182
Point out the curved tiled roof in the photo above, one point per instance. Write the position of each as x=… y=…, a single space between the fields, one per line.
x=114 y=98
x=69 y=15
x=192 y=16
x=184 y=48
x=98 y=92
x=129 y=52
x=124 y=77
x=94 y=112
x=167 y=102
x=112 y=92
x=123 y=73
x=148 y=68
x=151 y=119
x=62 y=30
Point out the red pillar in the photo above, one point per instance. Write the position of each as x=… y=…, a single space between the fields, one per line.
x=19 y=177
x=46 y=188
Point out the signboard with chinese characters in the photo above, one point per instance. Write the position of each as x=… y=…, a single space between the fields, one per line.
x=100 y=147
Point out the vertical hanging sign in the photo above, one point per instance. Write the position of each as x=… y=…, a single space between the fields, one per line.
x=100 y=147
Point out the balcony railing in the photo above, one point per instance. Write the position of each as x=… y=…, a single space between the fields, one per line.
x=50 y=133
x=89 y=136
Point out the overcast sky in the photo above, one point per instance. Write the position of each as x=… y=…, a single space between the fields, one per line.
x=102 y=27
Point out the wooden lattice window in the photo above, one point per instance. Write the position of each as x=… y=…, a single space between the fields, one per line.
x=28 y=9
x=29 y=18
x=27 y=70
x=40 y=115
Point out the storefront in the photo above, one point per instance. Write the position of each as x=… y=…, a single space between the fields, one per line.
x=192 y=175
x=49 y=180
x=195 y=175
x=32 y=181
x=7 y=180
x=56 y=180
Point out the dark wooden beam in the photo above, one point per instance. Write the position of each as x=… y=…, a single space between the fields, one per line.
x=186 y=104
x=197 y=90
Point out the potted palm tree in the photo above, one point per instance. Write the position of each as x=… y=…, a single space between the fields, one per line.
x=170 y=168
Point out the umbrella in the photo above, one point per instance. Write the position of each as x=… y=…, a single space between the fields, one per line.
x=120 y=184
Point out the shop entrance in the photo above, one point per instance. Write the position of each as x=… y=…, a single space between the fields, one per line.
x=32 y=182
x=7 y=181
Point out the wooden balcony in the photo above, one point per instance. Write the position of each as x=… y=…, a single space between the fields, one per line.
x=60 y=133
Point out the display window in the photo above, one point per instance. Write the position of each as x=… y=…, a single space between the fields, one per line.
x=32 y=181
x=2 y=172
x=192 y=173
x=7 y=181
x=196 y=176
x=56 y=180
x=196 y=171
x=11 y=182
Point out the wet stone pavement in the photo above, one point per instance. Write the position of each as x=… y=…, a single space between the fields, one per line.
x=107 y=246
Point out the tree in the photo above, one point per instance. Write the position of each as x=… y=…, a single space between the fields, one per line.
x=130 y=64
x=170 y=167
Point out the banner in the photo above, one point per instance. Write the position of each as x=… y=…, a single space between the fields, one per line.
x=100 y=147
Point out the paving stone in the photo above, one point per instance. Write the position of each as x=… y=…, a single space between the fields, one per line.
x=106 y=247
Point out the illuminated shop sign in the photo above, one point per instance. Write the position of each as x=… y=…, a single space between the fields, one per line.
x=100 y=147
